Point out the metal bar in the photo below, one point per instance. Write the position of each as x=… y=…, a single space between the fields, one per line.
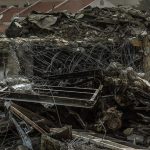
x=17 y=113
x=96 y=93
x=72 y=97
x=62 y=101
x=65 y=88
x=52 y=99
x=25 y=139
x=53 y=90
x=83 y=74
x=59 y=93
x=102 y=142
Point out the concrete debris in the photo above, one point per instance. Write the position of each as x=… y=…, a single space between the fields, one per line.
x=22 y=88
x=76 y=81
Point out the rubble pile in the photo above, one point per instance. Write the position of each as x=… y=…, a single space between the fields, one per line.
x=107 y=32
x=80 y=81
x=91 y=23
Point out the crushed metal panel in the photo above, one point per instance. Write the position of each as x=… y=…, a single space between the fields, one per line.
x=57 y=99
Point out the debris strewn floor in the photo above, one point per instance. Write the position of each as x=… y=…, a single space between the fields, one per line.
x=76 y=81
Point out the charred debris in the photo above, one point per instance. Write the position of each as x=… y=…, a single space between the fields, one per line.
x=76 y=81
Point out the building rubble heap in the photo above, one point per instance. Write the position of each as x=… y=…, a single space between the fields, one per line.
x=79 y=81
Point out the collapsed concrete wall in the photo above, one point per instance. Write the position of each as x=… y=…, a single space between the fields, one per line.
x=10 y=65
x=60 y=43
x=16 y=56
x=19 y=55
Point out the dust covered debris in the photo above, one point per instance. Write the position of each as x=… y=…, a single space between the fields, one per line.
x=79 y=81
